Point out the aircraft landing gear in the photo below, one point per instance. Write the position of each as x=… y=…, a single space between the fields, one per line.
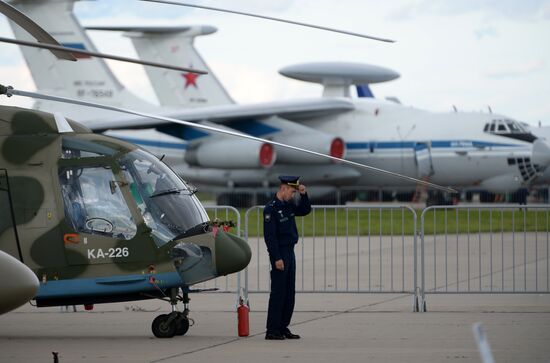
x=175 y=323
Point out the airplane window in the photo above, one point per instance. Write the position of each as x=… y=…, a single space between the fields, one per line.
x=94 y=204
x=486 y=128
x=513 y=126
x=168 y=205
x=493 y=126
x=501 y=127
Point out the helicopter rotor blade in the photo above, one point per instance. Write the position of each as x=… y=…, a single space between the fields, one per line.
x=271 y=18
x=33 y=29
x=100 y=55
x=10 y=91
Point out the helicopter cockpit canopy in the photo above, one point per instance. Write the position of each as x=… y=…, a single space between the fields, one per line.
x=107 y=189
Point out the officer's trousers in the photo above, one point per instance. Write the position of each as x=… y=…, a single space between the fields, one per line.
x=283 y=290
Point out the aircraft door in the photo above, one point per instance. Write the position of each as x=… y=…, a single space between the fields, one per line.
x=9 y=241
x=103 y=228
x=423 y=158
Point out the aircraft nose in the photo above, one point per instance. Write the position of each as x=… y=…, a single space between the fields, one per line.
x=18 y=285
x=541 y=153
x=232 y=253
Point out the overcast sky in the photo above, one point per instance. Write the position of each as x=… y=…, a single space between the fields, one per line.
x=471 y=54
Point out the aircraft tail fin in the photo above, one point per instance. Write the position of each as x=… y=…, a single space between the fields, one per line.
x=89 y=79
x=175 y=45
x=363 y=91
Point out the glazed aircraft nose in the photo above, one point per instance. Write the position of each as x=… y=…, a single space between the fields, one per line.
x=232 y=253
x=17 y=285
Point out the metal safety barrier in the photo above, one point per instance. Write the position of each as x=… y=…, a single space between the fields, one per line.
x=360 y=249
x=484 y=250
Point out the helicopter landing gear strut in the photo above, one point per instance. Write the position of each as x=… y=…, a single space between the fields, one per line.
x=175 y=323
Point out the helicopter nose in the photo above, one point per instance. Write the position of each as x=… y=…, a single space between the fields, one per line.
x=232 y=253
x=18 y=285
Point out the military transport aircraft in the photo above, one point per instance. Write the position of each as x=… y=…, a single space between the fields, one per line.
x=488 y=151
x=101 y=220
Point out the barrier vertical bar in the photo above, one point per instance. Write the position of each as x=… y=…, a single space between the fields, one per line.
x=314 y=233
x=403 y=250
x=347 y=249
x=435 y=254
x=502 y=246
x=446 y=250
x=358 y=253
x=380 y=231
x=325 y=248
x=303 y=243
x=536 y=250
x=369 y=251
x=457 y=287
x=513 y=251
x=391 y=249
x=524 y=249
x=479 y=243
x=336 y=249
x=468 y=231
x=491 y=245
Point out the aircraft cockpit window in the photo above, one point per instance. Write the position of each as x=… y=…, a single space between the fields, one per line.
x=514 y=126
x=502 y=127
x=81 y=148
x=92 y=205
x=486 y=128
x=493 y=127
x=168 y=205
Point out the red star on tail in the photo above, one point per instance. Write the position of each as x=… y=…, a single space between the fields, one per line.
x=190 y=79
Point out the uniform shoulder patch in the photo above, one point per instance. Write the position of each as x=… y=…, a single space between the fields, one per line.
x=267 y=217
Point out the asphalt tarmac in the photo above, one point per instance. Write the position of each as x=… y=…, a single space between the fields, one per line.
x=334 y=328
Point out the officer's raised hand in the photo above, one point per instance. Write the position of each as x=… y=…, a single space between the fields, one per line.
x=280 y=265
x=302 y=189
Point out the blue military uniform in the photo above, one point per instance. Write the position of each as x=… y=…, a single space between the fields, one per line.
x=281 y=234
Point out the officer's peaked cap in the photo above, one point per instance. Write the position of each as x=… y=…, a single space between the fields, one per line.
x=293 y=181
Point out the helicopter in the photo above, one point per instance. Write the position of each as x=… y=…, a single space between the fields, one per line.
x=100 y=220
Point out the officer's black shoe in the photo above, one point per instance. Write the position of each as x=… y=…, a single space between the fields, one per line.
x=274 y=336
x=289 y=335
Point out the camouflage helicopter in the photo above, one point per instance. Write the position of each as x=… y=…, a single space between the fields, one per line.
x=101 y=220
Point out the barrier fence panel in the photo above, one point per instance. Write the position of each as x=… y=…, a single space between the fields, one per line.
x=484 y=249
x=230 y=283
x=363 y=248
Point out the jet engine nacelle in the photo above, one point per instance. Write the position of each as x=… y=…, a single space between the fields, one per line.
x=502 y=183
x=314 y=141
x=231 y=154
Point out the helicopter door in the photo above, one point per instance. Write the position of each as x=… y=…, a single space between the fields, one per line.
x=423 y=158
x=9 y=241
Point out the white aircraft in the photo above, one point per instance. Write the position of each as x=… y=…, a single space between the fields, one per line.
x=491 y=151
x=457 y=149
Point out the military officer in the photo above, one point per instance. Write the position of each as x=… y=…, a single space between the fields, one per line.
x=281 y=234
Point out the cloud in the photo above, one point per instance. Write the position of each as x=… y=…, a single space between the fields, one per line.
x=527 y=10
x=517 y=70
x=488 y=31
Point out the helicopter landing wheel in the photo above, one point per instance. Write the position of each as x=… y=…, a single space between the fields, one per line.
x=164 y=326
x=182 y=324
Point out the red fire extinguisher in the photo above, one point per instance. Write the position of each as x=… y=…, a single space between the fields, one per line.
x=242 y=316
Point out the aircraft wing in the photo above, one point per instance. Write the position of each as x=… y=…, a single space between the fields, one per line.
x=292 y=109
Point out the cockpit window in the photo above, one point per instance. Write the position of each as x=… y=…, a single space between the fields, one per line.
x=168 y=205
x=509 y=128
x=94 y=203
